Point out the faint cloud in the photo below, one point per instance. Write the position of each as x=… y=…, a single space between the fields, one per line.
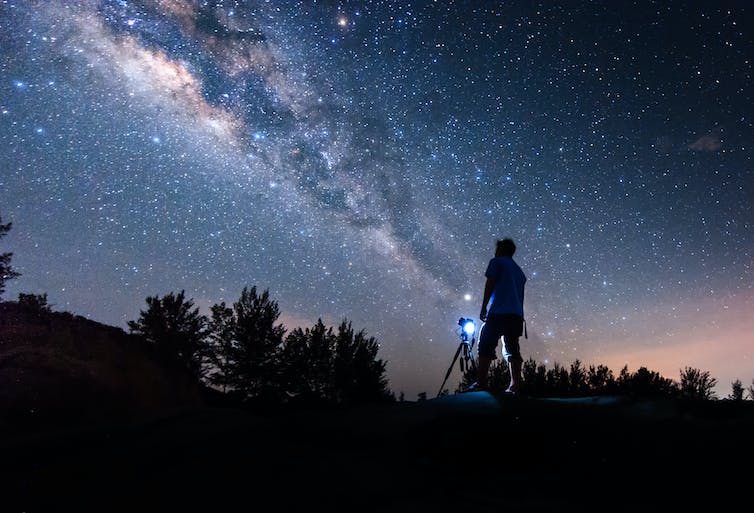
x=709 y=142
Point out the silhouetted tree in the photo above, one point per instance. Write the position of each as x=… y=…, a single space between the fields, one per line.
x=36 y=302
x=335 y=367
x=697 y=384
x=645 y=383
x=320 y=355
x=624 y=379
x=737 y=392
x=358 y=374
x=535 y=378
x=557 y=381
x=294 y=363
x=244 y=343
x=577 y=379
x=600 y=380
x=344 y=374
x=750 y=390
x=6 y=271
x=176 y=329
x=217 y=352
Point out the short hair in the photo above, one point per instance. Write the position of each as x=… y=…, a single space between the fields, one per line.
x=506 y=247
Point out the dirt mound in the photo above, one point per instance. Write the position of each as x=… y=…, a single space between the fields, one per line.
x=57 y=369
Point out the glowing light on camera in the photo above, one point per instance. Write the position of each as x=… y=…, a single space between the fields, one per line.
x=468 y=327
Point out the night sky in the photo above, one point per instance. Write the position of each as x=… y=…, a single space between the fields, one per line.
x=360 y=159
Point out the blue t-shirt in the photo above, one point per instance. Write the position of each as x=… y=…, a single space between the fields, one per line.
x=508 y=295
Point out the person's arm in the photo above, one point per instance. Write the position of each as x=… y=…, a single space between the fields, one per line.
x=489 y=286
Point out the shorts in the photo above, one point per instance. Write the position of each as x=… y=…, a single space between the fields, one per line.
x=508 y=326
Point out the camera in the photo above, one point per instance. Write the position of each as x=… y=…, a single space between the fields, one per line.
x=467 y=327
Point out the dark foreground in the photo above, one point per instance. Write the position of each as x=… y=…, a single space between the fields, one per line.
x=464 y=453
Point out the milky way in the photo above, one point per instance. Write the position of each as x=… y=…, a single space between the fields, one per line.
x=359 y=160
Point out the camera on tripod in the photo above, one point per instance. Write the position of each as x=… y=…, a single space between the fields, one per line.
x=468 y=328
x=465 y=352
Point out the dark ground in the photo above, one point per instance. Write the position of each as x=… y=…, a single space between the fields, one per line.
x=473 y=452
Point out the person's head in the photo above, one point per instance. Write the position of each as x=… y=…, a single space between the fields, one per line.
x=505 y=247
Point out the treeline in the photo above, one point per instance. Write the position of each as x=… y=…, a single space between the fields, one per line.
x=244 y=354
x=579 y=380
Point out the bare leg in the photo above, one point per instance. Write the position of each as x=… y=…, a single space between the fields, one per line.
x=483 y=370
x=514 y=365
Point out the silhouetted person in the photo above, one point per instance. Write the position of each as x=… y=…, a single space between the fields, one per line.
x=504 y=291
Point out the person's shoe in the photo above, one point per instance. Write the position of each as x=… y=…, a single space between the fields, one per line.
x=512 y=390
x=476 y=387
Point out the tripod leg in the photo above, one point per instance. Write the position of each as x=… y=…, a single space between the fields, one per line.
x=471 y=356
x=450 y=369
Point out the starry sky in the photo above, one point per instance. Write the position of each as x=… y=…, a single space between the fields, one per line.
x=360 y=159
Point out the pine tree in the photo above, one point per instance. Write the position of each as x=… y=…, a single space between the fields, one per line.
x=645 y=383
x=577 y=379
x=737 y=391
x=557 y=380
x=697 y=384
x=244 y=343
x=320 y=354
x=535 y=378
x=6 y=271
x=176 y=329
x=334 y=367
x=36 y=302
x=600 y=380
x=369 y=381
x=294 y=365
x=218 y=351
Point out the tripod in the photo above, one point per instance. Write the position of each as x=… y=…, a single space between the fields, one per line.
x=465 y=348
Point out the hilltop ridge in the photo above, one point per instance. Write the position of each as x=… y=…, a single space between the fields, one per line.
x=58 y=369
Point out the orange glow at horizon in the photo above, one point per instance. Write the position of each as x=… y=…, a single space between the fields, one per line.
x=718 y=337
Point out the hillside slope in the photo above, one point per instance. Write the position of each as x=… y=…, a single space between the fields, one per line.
x=58 y=370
